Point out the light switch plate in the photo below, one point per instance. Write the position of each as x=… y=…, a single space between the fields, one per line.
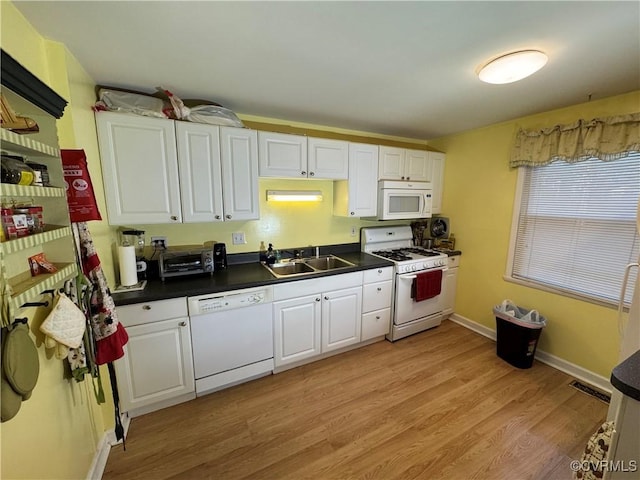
x=237 y=238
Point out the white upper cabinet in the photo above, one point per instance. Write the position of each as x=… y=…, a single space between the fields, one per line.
x=417 y=165
x=161 y=171
x=200 y=172
x=358 y=196
x=282 y=155
x=328 y=158
x=404 y=164
x=437 y=180
x=240 y=173
x=139 y=168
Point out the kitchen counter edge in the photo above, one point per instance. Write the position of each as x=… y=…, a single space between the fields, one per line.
x=236 y=277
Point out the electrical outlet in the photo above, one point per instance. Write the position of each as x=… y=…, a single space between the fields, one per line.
x=237 y=238
x=354 y=231
x=159 y=243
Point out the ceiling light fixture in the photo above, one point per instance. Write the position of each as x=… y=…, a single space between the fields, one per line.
x=294 y=195
x=513 y=66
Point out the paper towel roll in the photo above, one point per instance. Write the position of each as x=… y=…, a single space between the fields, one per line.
x=127 y=262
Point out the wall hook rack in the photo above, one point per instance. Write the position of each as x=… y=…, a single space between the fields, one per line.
x=35 y=304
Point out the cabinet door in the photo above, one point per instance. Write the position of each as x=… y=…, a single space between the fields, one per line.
x=417 y=165
x=296 y=329
x=157 y=364
x=139 y=168
x=282 y=155
x=341 y=318
x=391 y=163
x=437 y=180
x=449 y=286
x=362 y=184
x=239 y=147
x=200 y=173
x=328 y=158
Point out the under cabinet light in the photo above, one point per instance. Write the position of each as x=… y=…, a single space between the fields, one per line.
x=294 y=195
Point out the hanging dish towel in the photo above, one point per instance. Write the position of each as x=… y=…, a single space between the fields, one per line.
x=109 y=334
x=426 y=285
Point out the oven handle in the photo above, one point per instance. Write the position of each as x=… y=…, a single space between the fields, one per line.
x=411 y=277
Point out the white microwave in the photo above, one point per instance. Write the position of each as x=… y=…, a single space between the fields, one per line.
x=404 y=200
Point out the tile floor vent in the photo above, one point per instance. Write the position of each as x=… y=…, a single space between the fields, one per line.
x=604 y=397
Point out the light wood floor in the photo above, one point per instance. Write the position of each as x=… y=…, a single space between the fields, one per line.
x=437 y=405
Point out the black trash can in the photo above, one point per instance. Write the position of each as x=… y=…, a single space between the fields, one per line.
x=516 y=338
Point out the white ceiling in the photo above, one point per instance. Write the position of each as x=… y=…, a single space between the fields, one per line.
x=397 y=68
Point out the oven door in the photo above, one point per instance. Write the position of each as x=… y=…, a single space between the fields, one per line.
x=399 y=204
x=407 y=309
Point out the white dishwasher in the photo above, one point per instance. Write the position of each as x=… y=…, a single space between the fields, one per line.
x=231 y=337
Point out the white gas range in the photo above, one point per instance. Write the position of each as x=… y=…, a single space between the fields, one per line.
x=418 y=298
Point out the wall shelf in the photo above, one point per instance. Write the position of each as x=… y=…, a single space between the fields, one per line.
x=10 y=190
x=27 y=289
x=24 y=145
x=54 y=232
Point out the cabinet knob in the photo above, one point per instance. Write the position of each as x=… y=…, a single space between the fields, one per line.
x=326 y=298
x=408 y=178
x=146 y=307
x=352 y=213
x=403 y=177
x=379 y=270
x=183 y=324
x=311 y=174
x=318 y=299
x=377 y=317
x=303 y=173
x=174 y=217
x=217 y=217
x=228 y=216
x=379 y=289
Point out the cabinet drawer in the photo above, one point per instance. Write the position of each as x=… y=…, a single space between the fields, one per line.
x=149 y=312
x=378 y=274
x=376 y=296
x=375 y=324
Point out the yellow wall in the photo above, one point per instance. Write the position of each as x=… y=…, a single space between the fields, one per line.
x=479 y=191
x=56 y=432
x=61 y=422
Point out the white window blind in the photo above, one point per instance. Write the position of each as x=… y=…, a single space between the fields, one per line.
x=577 y=226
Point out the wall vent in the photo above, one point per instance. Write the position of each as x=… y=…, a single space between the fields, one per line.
x=604 y=397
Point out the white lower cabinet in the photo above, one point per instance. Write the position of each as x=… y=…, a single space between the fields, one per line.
x=323 y=315
x=377 y=292
x=449 y=286
x=297 y=329
x=157 y=368
x=341 y=318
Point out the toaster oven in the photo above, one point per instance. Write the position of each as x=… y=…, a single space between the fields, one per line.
x=187 y=262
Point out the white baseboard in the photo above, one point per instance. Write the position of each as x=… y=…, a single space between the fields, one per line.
x=104 y=447
x=576 y=371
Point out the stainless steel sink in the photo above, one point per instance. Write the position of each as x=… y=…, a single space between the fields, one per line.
x=327 y=262
x=289 y=268
x=307 y=266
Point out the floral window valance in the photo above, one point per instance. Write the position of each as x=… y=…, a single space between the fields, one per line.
x=605 y=138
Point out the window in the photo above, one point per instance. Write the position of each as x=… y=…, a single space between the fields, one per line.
x=576 y=227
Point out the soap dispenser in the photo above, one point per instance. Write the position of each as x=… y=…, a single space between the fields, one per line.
x=271 y=256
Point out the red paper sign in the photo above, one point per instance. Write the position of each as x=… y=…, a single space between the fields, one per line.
x=80 y=196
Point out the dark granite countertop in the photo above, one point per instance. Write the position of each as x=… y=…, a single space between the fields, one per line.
x=244 y=271
x=626 y=376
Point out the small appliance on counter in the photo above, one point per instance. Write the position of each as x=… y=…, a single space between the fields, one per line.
x=186 y=262
x=219 y=256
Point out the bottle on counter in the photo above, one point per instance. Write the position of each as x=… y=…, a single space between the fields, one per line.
x=271 y=256
x=263 y=253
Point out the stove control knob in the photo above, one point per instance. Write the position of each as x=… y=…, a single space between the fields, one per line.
x=413 y=268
